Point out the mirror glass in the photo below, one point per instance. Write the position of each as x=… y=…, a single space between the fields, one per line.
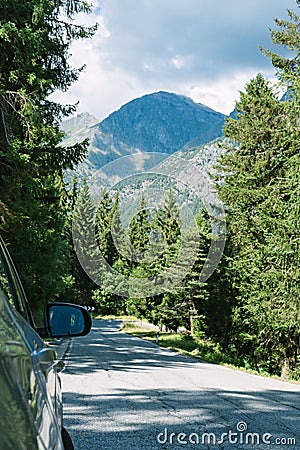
x=66 y=320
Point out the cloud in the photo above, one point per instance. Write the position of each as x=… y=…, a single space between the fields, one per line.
x=207 y=37
x=205 y=49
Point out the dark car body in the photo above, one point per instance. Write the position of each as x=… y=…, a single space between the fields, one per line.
x=30 y=391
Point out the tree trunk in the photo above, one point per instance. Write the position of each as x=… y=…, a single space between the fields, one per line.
x=285 y=370
x=192 y=314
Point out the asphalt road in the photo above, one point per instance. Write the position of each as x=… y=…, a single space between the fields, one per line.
x=121 y=392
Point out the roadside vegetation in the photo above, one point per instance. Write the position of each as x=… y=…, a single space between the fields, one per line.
x=248 y=311
x=200 y=348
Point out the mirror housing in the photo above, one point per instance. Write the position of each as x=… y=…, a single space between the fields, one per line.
x=66 y=320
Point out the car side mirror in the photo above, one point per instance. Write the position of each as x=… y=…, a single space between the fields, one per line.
x=66 y=320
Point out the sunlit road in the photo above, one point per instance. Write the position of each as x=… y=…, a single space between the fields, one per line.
x=121 y=392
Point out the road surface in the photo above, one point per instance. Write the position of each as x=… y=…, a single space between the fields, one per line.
x=121 y=392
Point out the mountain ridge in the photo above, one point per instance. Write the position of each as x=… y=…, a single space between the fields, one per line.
x=161 y=122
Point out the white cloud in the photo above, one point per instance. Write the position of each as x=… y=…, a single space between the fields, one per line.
x=177 y=62
x=206 y=50
x=221 y=94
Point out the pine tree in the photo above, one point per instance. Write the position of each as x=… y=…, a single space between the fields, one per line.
x=140 y=231
x=167 y=219
x=165 y=241
x=194 y=290
x=287 y=67
x=104 y=225
x=35 y=38
x=111 y=240
x=261 y=262
x=84 y=239
x=287 y=35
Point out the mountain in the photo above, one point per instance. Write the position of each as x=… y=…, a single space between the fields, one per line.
x=185 y=172
x=79 y=128
x=161 y=122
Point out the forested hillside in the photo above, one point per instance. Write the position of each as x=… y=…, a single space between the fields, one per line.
x=250 y=306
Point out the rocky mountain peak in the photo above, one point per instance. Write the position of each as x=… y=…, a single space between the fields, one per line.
x=160 y=122
x=163 y=122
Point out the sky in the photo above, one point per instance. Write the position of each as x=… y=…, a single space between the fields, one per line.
x=204 y=49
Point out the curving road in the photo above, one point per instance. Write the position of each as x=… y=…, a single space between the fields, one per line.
x=121 y=392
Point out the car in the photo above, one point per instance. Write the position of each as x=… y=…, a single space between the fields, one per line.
x=31 y=415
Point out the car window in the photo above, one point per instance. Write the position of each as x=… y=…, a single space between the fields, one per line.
x=4 y=284
x=10 y=284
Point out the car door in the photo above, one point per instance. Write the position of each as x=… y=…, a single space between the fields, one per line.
x=27 y=373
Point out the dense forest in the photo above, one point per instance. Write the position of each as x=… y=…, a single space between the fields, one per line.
x=35 y=38
x=250 y=305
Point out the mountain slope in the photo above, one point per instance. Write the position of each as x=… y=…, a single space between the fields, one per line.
x=160 y=122
x=163 y=122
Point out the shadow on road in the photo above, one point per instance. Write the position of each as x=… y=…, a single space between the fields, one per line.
x=110 y=349
x=126 y=393
x=133 y=420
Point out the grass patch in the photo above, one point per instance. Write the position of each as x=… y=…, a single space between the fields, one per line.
x=192 y=346
x=114 y=317
x=201 y=349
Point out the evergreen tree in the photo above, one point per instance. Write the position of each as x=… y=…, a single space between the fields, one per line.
x=288 y=67
x=34 y=41
x=164 y=308
x=112 y=244
x=84 y=239
x=265 y=142
x=104 y=223
x=139 y=232
x=195 y=291
x=167 y=219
